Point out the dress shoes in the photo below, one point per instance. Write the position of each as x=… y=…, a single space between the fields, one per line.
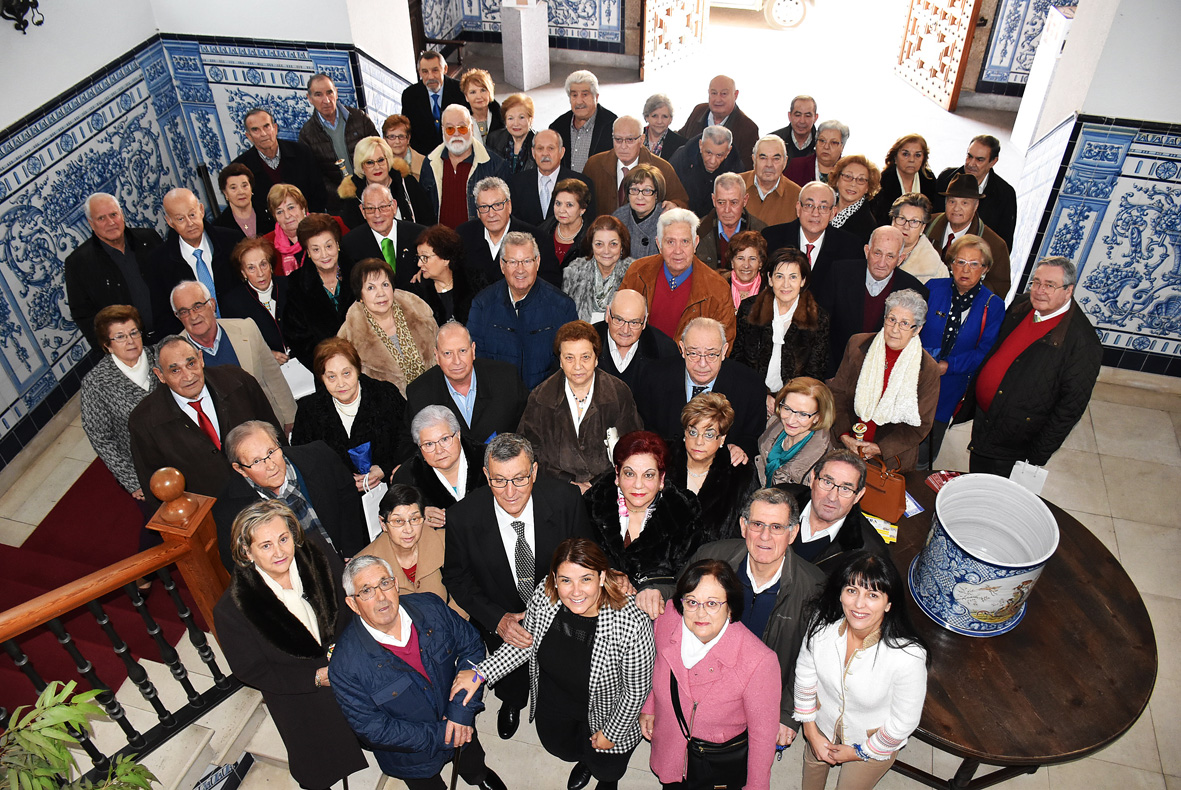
x=507 y=721
x=491 y=782
x=580 y=776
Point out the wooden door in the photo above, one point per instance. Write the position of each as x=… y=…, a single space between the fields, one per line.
x=673 y=32
x=935 y=47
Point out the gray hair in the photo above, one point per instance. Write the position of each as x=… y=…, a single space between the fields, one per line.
x=506 y=447
x=255 y=111
x=1069 y=272
x=718 y=134
x=824 y=126
x=432 y=54
x=831 y=191
x=774 y=496
x=843 y=455
x=186 y=284
x=376 y=188
x=655 y=102
x=467 y=115
x=774 y=139
x=701 y=322
x=432 y=415
x=582 y=77
x=354 y=568
x=917 y=200
x=519 y=238
x=908 y=299
x=172 y=340
x=243 y=432
x=86 y=209
x=729 y=180
x=490 y=183
x=451 y=324
x=802 y=97
x=673 y=216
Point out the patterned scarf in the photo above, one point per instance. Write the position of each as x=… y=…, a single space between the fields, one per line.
x=292 y=495
x=656 y=147
x=843 y=215
x=960 y=305
x=404 y=352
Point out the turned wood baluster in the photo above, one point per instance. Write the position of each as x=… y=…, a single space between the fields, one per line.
x=196 y=635
x=135 y=671
x=168 y=653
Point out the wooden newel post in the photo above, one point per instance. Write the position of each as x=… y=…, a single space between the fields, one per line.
x=187 y=519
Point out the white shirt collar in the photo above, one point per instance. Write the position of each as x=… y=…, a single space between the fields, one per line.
x=987 y=176
x=386 y=639
x=460 y=489
x=508 y=535
x=206 y=405
x=187 y=250
x=392 y=237
x=621 y=362
x=575 y=414
x=1054 y=314
x=758 y=588
x=816 y=245
x=494 y=246
x=693 y=649
x=806 y=534
x=716 y=121
x=762 y=194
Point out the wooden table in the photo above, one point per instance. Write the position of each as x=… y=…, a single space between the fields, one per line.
x=1071 y=678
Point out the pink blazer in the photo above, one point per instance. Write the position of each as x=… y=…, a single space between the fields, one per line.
x=737 y=687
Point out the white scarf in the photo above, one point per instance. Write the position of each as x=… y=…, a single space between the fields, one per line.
x=293 y=599
x=693 y=649
x=348 y=411
x=138 y=373
x=900 y=402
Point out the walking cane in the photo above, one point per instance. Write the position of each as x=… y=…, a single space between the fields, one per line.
x=455 y=767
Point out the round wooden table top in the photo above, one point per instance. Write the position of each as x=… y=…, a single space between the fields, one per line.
x=1069 y=679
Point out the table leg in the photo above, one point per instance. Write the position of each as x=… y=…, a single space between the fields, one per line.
x=963 y=775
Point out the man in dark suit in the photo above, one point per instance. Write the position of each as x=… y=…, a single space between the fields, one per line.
x=854 y=291
x=191 y=252
x=810 y=232
x=586 y=128
x=998 y=199
x=384 y=237
x=700 y=161
x=484 y=235
x=800 y=132
x=274 y=161
x=499 y=543
x=722 y=110
x=190 y=437
x=110 y=267
x=668 y=384
x=423 y=102
x=727 y=217
x=486 y=395
x=962 y=203
x=629 y=344
x=531 y=188
x=310 y=479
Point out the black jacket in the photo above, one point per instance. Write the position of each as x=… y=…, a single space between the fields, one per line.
x=723 y=493
x=331 y=492
x=699 y=182
x=360 y=243
x=527 y=200
x=378 y=420
x=672 y=532
x=500 y=142
x=416 y=105
x=600 y=139
x=310 y=315
x=316 y=139
x=653 y=344
x=805 y=351
x=464 y=287
x=416 y=472
x=297 y=166
x=242 y=302
x=167 y=268
x=892 y=190
x=856 y=533
x=838 y=245
x=412 y=200
x=575 y=252
x=478 y=258
x=794 y=151
x=672 y=143
x=93 y=280
x=998 y=207
x=226 y=220
x=860 y=224
x=500 y=399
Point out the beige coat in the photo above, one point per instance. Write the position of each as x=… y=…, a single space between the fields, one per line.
x=779 y=206
x=795 y=469
x=376 y=360
x=256 y=358
x=428 y=576
x=924 y=262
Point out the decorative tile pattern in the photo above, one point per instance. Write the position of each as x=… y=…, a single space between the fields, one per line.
x=598 y=20
x=1042 y=165
x=383 y=89
x=1016 y=32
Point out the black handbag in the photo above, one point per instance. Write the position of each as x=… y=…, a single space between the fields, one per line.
x=711 y=766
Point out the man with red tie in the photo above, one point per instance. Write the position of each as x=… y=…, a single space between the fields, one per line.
x=809 y=232
x=959 y=218
x=184 y=423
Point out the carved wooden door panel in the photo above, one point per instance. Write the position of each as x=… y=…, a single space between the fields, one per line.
x=935 y=47
x=673 y=31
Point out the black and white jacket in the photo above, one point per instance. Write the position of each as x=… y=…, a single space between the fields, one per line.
x=622 y=658
x=108 y=398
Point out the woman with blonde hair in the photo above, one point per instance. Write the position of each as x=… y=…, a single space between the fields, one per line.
x=856 y=180
x=797 y=433
x=374 y=162
x=513 y=142
x=480 y=92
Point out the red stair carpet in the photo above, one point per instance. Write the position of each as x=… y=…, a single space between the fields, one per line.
x=94 y=525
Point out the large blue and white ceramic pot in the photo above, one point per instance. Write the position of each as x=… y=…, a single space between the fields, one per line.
x=989 y=540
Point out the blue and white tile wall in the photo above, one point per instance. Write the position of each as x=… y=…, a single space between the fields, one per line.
x=1016 y=32
x=136 y=129
x=573 y=24
x=1039 y=174
x=1116 y=212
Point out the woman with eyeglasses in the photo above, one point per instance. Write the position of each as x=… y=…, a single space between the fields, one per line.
x=715 y=681
x=277 y=624
x=568 y=416
x=965 y=319
x=645 y=189
x=374 y=162
x=395 y=130
x=514 y=141
x=907 y=170
x=349 y=410
x=797 y=433
x=910 y=214
x=887 y=387
x=415 y=554
x=447 y=465
x=446 y=284
x=856 y=180
x=592 y=280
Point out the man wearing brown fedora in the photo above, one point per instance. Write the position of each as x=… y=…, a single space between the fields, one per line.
x=959 y=218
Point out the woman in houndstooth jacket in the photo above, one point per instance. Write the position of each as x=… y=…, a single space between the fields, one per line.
x=590 y=665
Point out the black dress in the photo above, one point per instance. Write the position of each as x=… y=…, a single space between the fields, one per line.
x=378 y=421
x=242 y=302
x=722 y=494
x=457 y=302
x=501 y=142
x=311 y=315
x=861 y=223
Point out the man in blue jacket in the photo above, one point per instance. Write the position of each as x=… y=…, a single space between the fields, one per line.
x=392 y=670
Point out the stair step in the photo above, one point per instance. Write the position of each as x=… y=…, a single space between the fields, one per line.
x=168 y=688
x=268 y=749
x=182 y=759
x=234 y=723
x=193 y=662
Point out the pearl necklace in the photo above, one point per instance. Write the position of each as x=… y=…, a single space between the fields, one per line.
x=571 y=238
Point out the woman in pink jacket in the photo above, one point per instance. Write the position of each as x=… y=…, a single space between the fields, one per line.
x=728 y=680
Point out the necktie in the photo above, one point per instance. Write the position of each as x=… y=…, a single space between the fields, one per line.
x=387 y=252
x=947 y=246
x=204 y=275
x=622 y=188
x=545 y=196
x=205 y=423
x=1037 y=318
x=808 y=252
x=523 y=556
x=697 y=391
x=435 y=109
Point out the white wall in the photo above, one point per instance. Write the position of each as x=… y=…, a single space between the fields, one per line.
x=1139 y=64
x=381 y=29
x=290 y=20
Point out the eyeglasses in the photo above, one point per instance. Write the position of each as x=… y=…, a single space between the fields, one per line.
x=760 y=526
x=439 y=444
x=903 y=222
x=634 y=323
x=425 y=258
x=484 y=208
x=262 y=460
x=183 y=312
x=450 y=130
x=692 y=604
x=619 y=139
x=397 y=523
x=785 y=409
x=501 y=482
x=710 y=434
x=123 y=337
x=852 y=179
x=708 y=356
x=645 y=191
x=960 y=262
x=397 y=137
x=843 y=491
x=380 y=208
x=512 y=263
x=810 y=207
x=366 y=593
x=1039 y=285
x=372 y=162
x=903 y=325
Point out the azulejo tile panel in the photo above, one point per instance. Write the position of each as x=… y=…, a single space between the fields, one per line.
x=383 y=89
x=1042 y=163
x=1016 y=32
x=598 y=20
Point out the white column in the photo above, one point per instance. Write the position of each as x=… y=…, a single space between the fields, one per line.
x=524 y=33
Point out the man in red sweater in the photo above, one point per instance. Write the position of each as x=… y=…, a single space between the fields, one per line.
x=1037 y=380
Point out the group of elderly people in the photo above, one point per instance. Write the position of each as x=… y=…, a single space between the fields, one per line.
x=782 y=592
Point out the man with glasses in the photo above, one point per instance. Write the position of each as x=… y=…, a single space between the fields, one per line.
x=446 y=466
x=382 y=236
x=424 y=101
x=484 y=236
x=310 y=479
x=700 y=161
x=961 y=200
x=185 y=423
x=810 y=232
x=191 y=251
x=232 y=341
x=455 y=165
x=629 y=344
x=499 y=543
x=333 y=131
x=606 y=170
x=275 y=161
x=728 y=216
x=773 y=195
x=1036 y=382
x=392 y=670
x=515 y=320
